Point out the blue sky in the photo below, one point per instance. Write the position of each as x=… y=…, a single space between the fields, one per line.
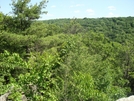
x=81 y=8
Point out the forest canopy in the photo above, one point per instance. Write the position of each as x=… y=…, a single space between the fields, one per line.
x=89 y=59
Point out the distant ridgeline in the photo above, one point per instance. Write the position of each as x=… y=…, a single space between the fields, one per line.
x=107 y=26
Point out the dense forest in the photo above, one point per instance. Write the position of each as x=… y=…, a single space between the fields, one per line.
x=89 y=59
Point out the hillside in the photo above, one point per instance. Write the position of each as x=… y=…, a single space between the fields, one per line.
x=108 y=26
x=68 y=59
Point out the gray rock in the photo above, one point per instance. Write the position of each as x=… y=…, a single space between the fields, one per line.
x=4 y=97
x=130 y=98
x=24 y=98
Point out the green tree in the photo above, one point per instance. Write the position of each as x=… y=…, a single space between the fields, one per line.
x=24 y=14
x=42 y=29
x=17 y=43
x=41 y=77
x=11 y=66
x=1 y=20
x=35 y=78
x=73 y=27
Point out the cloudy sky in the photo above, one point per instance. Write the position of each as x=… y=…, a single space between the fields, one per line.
x=82 y=8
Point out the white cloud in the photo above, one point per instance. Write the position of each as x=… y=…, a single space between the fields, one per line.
x=77 y=11
x=111 y=8
x=53 y=6
x=90 y=11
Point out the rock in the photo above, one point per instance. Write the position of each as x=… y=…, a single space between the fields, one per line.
x=24 y=98
x=4 y=97
x=130 y=98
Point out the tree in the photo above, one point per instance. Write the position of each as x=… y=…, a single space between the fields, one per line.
x=73 y=27
x=1 y=18
x=24 y=13
x=35 y=78
x=11 y=66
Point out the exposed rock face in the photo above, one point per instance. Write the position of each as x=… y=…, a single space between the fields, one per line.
x=23 y=98
x=4 y=97
x=130 y=98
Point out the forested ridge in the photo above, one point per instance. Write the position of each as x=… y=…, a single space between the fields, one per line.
x=89 y=59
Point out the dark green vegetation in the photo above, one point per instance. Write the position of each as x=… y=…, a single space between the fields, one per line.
x=65 y=59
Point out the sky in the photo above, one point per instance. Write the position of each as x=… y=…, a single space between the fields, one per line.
x=80 y=8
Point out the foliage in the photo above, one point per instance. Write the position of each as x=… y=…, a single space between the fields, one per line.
x=41 y=77
x=11 y=66
x=42 y=30
x=73 y=27
x=111 y=27
x=65 y=59
x=79 y=59
x=35 y=78
x=23 y=14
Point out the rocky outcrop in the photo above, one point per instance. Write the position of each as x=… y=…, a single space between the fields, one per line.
x=4 y=97
x=23 y=98
x=130 y=98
